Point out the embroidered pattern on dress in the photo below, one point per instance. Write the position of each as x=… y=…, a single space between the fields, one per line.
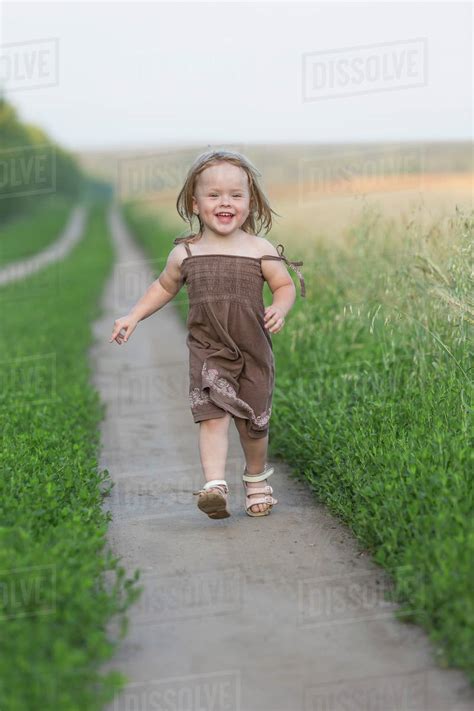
x=198 y=397
x=221 y=385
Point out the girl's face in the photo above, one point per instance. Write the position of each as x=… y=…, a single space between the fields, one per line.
x=222 y=198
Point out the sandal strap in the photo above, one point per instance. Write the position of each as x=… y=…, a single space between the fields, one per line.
x=260 y=500
x=258 y=490
x=220 y=484
x=258 y=477
x=214 y=482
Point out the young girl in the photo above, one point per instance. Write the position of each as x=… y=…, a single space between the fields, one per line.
x=231 y=362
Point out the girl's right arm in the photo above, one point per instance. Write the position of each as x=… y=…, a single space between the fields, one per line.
x=159 y=293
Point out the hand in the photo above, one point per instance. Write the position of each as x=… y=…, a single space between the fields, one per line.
x=274 y=318
x=127 y=324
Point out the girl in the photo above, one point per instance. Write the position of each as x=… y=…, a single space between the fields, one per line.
x=231 y=362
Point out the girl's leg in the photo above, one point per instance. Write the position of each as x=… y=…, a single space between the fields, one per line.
x=213 y=446
x=255 y=450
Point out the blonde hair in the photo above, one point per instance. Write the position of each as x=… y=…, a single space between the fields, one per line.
x=260 y=215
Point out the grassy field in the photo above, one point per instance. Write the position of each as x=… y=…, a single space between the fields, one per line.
x=60 y=585
x=381 y=355
x=373 y=400
x=24 y=236
x=316 y=214
x=316 y=189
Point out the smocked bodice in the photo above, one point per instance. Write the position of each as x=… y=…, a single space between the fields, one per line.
x=219 y=277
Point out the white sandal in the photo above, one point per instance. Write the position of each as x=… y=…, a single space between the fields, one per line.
x=265 y=491
x=213 y=498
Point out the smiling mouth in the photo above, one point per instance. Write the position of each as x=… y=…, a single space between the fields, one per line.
x=225 y=214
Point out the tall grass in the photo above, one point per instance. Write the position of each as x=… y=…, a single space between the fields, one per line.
x=59 y=585
x=373 y=406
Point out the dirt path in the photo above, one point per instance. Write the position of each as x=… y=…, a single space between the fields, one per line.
x=71 y=234
x=282 y=613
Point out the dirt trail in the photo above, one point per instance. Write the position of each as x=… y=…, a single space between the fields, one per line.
x=71 y=234
x=281 y=613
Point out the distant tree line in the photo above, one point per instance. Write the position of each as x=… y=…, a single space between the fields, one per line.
x=32 y=166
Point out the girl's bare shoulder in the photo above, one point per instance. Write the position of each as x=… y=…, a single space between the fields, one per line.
x=179 y=252
x=266 y=247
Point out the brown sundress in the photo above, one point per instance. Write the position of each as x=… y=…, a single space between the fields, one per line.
x=231 y=361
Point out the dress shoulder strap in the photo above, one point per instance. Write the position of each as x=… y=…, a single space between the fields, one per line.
x=178 y=240
x=293 y=265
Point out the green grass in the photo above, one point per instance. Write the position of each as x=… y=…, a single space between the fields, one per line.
x=373 y=406
x=29 y=234
x=60 y=584
x=381 y=358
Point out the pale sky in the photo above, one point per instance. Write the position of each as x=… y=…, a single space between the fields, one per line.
x=120 y=75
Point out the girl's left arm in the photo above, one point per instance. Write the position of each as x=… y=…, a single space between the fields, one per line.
x=284 y=297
